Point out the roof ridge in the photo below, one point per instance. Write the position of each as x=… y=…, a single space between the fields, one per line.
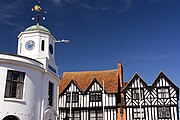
x=92 y=71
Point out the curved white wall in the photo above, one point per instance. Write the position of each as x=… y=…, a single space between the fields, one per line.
x=35 y=91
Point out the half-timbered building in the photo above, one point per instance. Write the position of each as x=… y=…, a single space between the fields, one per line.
x=156 y=102
x=92 y=95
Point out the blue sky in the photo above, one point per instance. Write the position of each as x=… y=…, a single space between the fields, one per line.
x=143 y=34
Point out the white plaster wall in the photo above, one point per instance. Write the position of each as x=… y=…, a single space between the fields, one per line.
x=35 y=91
x=37 y=37
x=27 y=108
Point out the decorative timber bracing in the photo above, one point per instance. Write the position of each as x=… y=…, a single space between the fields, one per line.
x=156 y=102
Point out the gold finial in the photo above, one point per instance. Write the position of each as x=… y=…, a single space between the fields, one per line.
x=37 y=8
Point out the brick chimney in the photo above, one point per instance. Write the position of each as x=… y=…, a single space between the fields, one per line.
x=120 y=73
x=121 y=112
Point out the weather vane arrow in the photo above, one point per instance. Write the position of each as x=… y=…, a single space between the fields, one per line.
x=37 y=8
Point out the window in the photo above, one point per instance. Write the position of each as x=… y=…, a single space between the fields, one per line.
x=136 y=93
x=164 y=112
x=95 y=96
x=75 y=115
x=20 y=47
x=163 y=93
x=96 y=115
x=50 y=94
x=75 y=97
x=42 y=45
x=138 y=113
x=14 y=84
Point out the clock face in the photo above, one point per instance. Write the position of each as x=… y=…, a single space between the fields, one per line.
x=51 y=49
x=30 y=44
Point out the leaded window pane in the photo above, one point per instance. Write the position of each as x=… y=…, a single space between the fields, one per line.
x=138 y=93
x=96 y=115
x=163 y=93
x=14 y=84
x=95 y=96
x=93 y=113
x=138 y=112
x=75 y=97
x=164 y=112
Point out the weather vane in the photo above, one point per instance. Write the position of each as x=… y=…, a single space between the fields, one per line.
x=37 y=8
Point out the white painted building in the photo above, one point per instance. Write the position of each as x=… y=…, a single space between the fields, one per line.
x=29 y=80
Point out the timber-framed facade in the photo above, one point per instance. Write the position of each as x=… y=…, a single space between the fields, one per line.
x=90 y=95
x=102 y=95
x=156 y=102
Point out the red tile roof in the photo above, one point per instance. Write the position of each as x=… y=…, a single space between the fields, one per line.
x=84 y=79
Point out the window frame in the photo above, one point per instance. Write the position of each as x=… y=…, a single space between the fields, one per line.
x=50 y=93
x=137 y=112
x=95 y=96
x=15 y=80
x=74 y=116
x=42 y=45
x=162 y=111
x=97 y=115
x=163 y=92
x=74 y=95
x=135 y=93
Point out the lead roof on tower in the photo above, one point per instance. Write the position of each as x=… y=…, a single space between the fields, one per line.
x=37 y=27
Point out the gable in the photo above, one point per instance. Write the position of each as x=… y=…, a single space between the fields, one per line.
x=163 y=81
x=71 y=86
x=134 y=83
x=94 y=86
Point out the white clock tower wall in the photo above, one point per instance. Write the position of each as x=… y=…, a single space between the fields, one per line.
x=41 y=47
x=38 y=45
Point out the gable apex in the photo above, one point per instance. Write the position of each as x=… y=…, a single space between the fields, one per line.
x=162 y=75
x=135 y=76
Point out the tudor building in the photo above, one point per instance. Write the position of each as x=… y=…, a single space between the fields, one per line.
x=156 y=102
x=91 y=95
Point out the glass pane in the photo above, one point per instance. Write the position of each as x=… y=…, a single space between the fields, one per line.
x=76 y=114
x=20 y=90
x=68 y=97
x=14 y=88
x=76 y=118
x=9 y=76
x=92 y=118
x=99 y=118
x=92 y=97
x=99 y=113
x=93 y=113
x=75 y=97
x=15 y=76
x=7 y=91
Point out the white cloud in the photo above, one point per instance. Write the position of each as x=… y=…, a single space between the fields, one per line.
x=153 y=58
x=8 y=12
x=104 y=5
x=56 y=2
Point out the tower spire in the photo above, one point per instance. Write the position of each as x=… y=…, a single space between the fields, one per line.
x=37 y=8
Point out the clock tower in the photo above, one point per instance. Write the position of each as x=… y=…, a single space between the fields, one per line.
x=36 y=42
